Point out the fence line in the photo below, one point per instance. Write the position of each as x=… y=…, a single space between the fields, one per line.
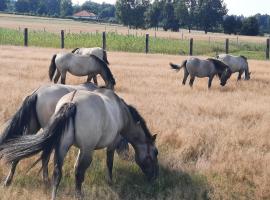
x=147 y=49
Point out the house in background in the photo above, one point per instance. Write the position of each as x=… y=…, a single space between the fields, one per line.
x=85 y=15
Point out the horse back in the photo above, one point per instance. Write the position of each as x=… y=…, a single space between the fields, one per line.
x=200 y=68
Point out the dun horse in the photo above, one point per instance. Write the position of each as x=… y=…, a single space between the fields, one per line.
x=35 y=113
x=196 y=67
x=96 y=51
x=79 y=65
x=88 y=120
x=236 y=64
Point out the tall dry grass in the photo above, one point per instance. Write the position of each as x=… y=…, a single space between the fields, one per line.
x=213 y=144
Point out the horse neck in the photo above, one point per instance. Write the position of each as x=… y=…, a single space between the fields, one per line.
x=106 y=77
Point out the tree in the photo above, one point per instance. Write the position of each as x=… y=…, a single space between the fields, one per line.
x=153 y=14
x=229 y=24
x=53 y=7
x=66 y=8
x=210 y=13
x=3 y=5
x=250 y=26
x=169 y=20
x=22 y=6
x=132 y=12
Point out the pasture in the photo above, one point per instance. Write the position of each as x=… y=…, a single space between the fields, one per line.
x=213 y=144
x=45 y=32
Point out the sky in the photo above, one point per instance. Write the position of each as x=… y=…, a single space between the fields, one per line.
x=235 y=7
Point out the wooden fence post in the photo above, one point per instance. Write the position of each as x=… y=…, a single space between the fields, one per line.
x=191 y=47
x=26 y=37
x=62 y=39
x=267 y=48
x=147 y=43
x=104 y=40
x=227 y=46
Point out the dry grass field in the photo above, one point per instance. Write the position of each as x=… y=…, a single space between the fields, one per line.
x=213 y=144
x=71 y=26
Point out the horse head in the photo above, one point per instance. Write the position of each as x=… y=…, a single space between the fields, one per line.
x=144 y=144
x=226 y=74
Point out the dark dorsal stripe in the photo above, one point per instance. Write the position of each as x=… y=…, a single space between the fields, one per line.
x=245 y=58
x=106 y=69
x=219 y=65
x=73 y=51
x=138 y=118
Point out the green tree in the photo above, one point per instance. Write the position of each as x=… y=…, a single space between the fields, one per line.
x=169 y=20
x=250 y=26
x=132 y=12
x=22 y=6
x=229 y=24
x=153 y=14
x=210 y=13
x=3 y=5
x=66 y=8
x=53 y=7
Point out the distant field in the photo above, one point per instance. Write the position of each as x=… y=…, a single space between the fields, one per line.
x=213 y=144
x=45 y=32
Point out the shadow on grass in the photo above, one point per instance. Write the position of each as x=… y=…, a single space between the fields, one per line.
x=170 y=185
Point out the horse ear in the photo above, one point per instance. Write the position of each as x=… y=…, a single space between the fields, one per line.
x=154 y=137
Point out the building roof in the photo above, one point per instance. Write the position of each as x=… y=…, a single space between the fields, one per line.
x=84 y=13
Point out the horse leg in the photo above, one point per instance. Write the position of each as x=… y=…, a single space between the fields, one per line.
x=63 y=78
x=191 y=81
x=89 y=78
x=109 y=162
x=83 y=162
x=239 y=75
x=186 y=74
x=95 y=79
x=57 y=76
x=210 y=81
x=11 y=174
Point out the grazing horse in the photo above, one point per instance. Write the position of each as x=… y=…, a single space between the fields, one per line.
x=236 y=64
x=90 y=121
x=196 y=67
x=96 y=51
x=35 y=113
x=80 y=65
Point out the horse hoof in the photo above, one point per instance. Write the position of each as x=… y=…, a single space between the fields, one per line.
x=78 y=195
x=7 y=183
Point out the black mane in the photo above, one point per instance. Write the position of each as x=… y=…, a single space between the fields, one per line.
x=219 y=65
x=106 y=68
x=138 y=118
x=245 y=58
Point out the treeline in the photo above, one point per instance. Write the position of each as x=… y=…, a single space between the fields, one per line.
x=207 y=15
x=57 y=8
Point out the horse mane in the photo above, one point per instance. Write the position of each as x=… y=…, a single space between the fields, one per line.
x=138 y=118
x=73 y=51
x=244 y=57
x=219 y=65
x=106 y=68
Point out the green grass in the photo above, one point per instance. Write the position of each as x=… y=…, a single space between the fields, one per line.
x=129 y=43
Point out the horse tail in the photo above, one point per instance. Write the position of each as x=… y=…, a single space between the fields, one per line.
x=28 y=145
x=20 y=121
x=177 y=67
x=105 y=58
x=74 y=50
x=52 y=67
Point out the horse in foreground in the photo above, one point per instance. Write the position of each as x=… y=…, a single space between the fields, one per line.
x=96 y=51
x=90 y=121
x=236 y=64
x=80 y=65
x=196 y=67
x=35 y=113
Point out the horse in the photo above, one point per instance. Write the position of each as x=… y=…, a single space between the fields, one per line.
x=237 y=64
x=196 y=67
x=35 y=113
x=96 y=51
x=89 y=121
x=80 y=65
